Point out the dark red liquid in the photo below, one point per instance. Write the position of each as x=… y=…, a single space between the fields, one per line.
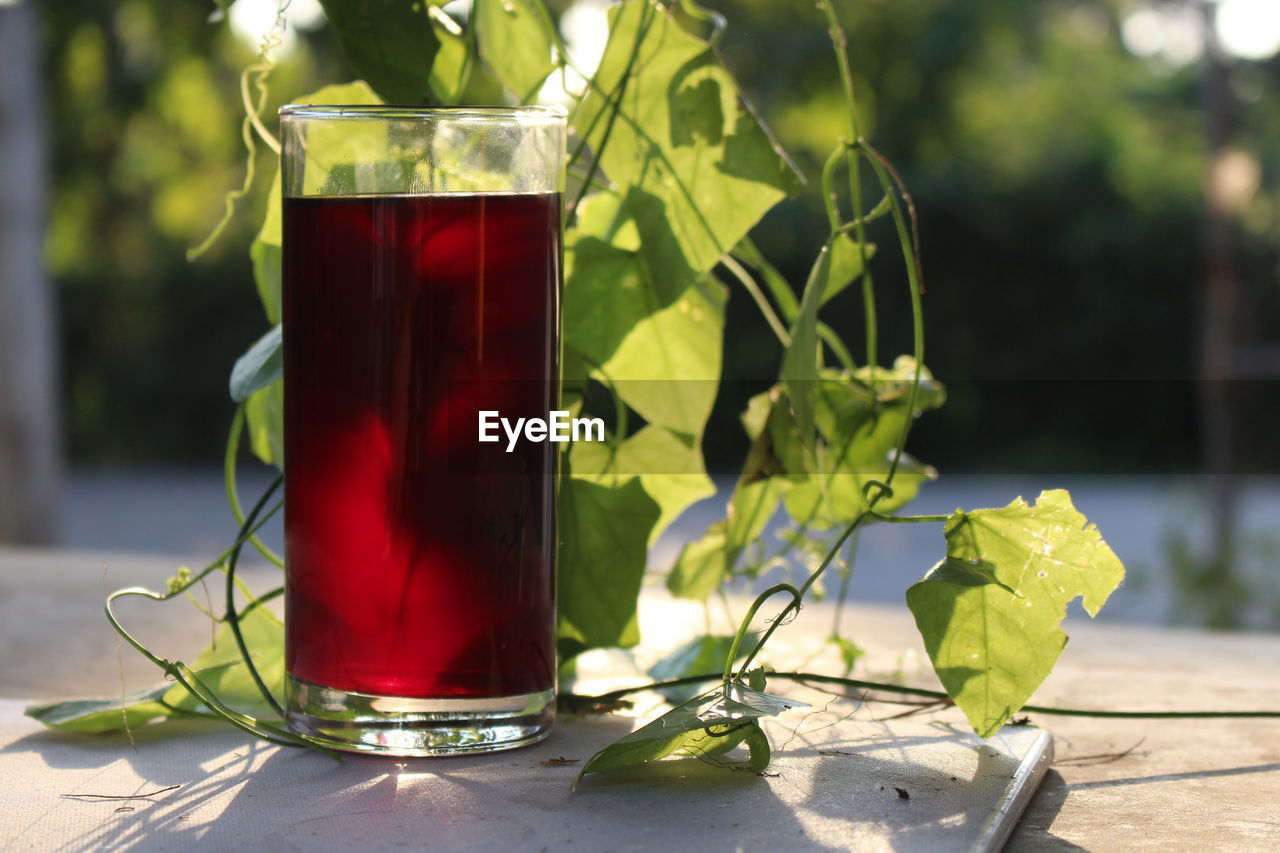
x=420 y=561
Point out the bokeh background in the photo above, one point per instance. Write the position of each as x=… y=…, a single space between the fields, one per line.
x=1098 y=183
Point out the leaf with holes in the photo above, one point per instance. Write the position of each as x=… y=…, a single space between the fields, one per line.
x=990 y=613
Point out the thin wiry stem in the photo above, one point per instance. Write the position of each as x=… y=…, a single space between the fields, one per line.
x=614 y=695
x=762 y=302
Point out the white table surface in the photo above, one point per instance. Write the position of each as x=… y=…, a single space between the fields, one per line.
x=1188 y=785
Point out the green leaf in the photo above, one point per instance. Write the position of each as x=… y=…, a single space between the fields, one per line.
x=860 y=419
x=705 y=563
x=389 y=43
x=751 y=507
x=606 y=285
x=800 y=362
x=261 y=365
x=95 y=716
x=604 y=530
x=517 y=41
x=701 y=566
x=694 y=165
x=990 y=613
x=788 y=305
x=706 y=726
x=265 y=252
x=697 y=657
x=267 y=259
x=452 y=66
x=832 y=499
x=846 y=265
x=670 y=467
x=760 y=753
x=667 y=368
x=657 y=346
x=264 y=411
x=221 y=668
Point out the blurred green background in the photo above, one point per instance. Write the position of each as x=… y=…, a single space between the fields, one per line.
x=1057 y=152
x=1063 y=156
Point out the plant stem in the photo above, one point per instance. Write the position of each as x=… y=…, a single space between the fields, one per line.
x=910 y=519
x=745 y=626
x=845 y=580
x=840 y=43
x=233 y=618
x=613 y=104
x=233 y=494
x=747 y=252
x=186 y=676
x=251 y=123
x=832 y=340
x=761 y=301
x=912 y=260
x=860 y=684
x=794 y=604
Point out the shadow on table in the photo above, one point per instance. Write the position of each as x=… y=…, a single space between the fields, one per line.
x=236 y=792
x=835 y=789
x=1034 y=831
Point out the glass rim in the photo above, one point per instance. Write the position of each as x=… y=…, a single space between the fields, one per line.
x=521 y=115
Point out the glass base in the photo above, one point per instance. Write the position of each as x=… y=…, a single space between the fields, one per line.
x=402 y=726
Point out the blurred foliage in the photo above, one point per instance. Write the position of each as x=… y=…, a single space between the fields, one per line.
x=1058 y=179
x=145 y=132
x=1057 y=176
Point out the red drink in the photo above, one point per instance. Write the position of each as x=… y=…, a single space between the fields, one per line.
x=419 y=560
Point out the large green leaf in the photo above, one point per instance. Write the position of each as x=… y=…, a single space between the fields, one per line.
x=389 y=43
x=604 y=537
x=517 y=41
x=668 y=367
x=990 y=613
x=695 y=166
x=657 y=345
x=607 y=289
x=670 y=467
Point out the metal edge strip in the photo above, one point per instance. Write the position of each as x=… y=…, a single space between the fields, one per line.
x=998 y=826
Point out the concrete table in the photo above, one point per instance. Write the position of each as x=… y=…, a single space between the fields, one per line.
x=1115 y=785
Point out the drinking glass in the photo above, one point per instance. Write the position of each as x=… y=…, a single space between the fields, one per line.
x=421 y=282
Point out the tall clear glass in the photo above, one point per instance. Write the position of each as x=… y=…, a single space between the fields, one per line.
x=422 y=271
